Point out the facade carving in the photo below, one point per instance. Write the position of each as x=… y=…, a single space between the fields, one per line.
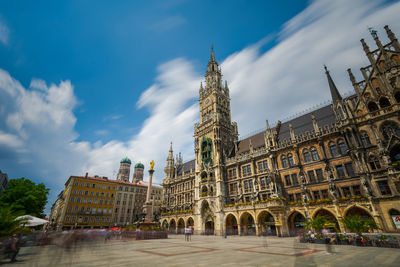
x=338 y=160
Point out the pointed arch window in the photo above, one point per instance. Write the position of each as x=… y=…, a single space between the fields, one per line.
x=342 y=147
x=290 y=159
x=372 y=106
x=284 y=161
x=306 y=155
x=314 y=154
x=333 y=149
x=365 y=139
x=390 y=128
x=384 y=102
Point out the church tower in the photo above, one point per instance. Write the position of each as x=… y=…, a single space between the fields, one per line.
x=124 y=169
x=215 y=137
x=138 y=173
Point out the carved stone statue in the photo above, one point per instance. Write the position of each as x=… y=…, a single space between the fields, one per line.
x=333 y=191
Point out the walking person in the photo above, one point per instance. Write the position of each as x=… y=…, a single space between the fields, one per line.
x=187 y=233
x=325 y=233
x=14 y=247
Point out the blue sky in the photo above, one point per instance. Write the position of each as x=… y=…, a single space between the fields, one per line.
x=110 y=51
x=85 y=83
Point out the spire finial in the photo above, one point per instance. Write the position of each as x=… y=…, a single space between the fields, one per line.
x=212 y=53
x=332 y=87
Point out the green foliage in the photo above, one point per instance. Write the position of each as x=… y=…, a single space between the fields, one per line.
x=25 y=196
x=356 y=225
x=317 y=223
x=9 y=225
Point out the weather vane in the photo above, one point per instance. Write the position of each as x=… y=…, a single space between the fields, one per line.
x=373 y=32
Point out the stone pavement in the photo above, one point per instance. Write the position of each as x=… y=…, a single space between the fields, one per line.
x=206 y=251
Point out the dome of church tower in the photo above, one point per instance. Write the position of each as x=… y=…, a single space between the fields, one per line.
x=139 y=165
x=125 y=160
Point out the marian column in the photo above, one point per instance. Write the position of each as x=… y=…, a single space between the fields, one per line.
x=148 y=207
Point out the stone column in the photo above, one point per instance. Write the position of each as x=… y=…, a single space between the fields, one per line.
x=148 y=207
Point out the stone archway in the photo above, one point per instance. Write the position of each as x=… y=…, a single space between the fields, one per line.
x=296 y=223
x=333 y=222
x=247 y=224
x=358 y=211
x=231 y=226
x=209 y=226
x=190 y=222
x=181 y=226
x=266 y=223
x=172 y=227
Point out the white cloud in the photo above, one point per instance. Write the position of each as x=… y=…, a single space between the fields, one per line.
x=4 y=32
x=37 y=125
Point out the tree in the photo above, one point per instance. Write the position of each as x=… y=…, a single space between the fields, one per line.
x=25 y=196
x=9 y=224
x=317 y=223
x=357 y=225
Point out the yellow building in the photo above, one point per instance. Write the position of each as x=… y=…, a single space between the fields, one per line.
x=88 y=202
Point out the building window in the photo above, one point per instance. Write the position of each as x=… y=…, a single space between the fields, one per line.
x=294 y=179
x=246 y=170
x=340 y=171
x=72 y=199
x=342 y=147
x=290 y=159
x=384 y=188
x=314 y=154
x=311 y=176
x=78 y=200
x=291 y=197
x=284 y=162
x=246 y=185
x=356 y=190
x=333 y=149
x=320 y=175
x=265 y=163
x=260 y=166
x=365 y=139
x=325 y=194
x=70 y=209
x=262 y=182
x=67 y=218
x=346 y=191
x=288 y=182
x=316 y=195
x=306 y=155
x=374 y=163
x=349 y=169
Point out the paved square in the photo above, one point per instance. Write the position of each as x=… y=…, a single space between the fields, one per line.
x=206 y=251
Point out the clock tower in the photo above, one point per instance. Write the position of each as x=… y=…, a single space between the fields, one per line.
x=215 y=137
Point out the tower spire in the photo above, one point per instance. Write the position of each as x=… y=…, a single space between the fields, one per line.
x=212 y=57
x=334 y=91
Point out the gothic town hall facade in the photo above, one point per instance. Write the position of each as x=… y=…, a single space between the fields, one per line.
x=341 y=159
